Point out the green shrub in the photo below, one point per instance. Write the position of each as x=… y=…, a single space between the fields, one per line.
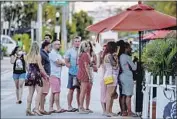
x=4 y=50
x=160 y=57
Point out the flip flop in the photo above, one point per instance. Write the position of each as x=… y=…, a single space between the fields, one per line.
x=73 y=110
x=52 y=111
x=119 y=113
x=60 y=111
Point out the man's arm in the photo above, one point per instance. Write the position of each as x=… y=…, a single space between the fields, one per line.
x=67 y=59
x=58 y=61
x=67 y=62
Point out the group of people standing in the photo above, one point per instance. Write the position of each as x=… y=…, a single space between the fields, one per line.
x=41 y=68
x=116 y=61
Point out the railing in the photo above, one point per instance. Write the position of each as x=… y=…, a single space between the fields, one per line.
x=154 y=102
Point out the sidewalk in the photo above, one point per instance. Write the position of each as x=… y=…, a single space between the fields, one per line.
x=9 y=108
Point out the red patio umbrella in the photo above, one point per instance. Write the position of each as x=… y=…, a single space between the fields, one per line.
x=139 y=17
x=156 y=35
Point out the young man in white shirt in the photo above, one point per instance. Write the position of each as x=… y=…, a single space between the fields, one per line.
x=56 y=62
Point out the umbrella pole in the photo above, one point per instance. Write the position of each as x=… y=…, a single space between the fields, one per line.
x=139 y=94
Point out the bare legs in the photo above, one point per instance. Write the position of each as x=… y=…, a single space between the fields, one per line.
x=19 y=89
x=89 y=88
x=37 y=100
x=54 y=98
x=30 y=97
x=77 y=97
x=45 y=90
x=42 y=102
x=70 y=97
x=128 y=104
x=103 y=107
x=57 y=100
x=51 y=102
x=83 y=94
x=109 y=93
x=21 y=82
x=85 y=89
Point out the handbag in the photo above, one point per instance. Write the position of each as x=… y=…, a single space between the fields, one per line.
x=108 y=80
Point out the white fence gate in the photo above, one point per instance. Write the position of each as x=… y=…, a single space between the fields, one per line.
x=165 y=93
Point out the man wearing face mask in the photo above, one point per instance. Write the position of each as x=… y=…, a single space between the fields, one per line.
x=71 y=57
x=45 y=50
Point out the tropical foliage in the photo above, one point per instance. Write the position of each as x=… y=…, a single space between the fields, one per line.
x=167 y=7
x=160 y=57
x=82 y=20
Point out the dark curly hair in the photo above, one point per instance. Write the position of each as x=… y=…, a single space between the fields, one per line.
x=14 y=50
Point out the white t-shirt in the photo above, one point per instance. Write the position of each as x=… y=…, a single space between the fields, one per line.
x=55 y=69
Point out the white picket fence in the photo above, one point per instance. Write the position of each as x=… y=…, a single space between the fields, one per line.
x=155 y=106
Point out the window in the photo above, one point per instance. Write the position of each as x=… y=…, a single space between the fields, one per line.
x=6 y=41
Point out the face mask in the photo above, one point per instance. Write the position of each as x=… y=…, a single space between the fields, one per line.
x=20 y=53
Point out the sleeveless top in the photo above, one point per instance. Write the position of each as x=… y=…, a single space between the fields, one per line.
x=19 y=66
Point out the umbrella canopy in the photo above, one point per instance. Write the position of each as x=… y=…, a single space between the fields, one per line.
x=156 y=35
x=139 y=17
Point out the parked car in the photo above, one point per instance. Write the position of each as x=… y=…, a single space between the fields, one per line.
x=8 y=42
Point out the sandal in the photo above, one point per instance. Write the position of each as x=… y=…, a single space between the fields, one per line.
x=60 y=111
x=83 y=111
x=52 y=111
x=108 y=115
x=44 y=112
x=114 y=114
x=124 y=114
x=119 y=113
x=90 y=111
x=132 y=114
x=72 y=110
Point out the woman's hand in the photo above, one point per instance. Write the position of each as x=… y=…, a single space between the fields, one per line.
x=95 y=69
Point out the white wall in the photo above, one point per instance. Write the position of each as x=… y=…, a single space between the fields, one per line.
x=108 y=35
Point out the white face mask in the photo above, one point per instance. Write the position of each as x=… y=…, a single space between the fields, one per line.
x=20 y=53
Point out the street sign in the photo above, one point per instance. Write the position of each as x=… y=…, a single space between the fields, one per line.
x=58 y=3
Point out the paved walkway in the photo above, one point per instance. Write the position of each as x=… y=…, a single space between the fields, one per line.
x=9 y=109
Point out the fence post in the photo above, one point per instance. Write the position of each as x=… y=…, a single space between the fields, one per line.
x=146 y=96
x=157 y=97
x=151 y=97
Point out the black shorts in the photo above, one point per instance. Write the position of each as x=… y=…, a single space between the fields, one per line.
x=70 y=82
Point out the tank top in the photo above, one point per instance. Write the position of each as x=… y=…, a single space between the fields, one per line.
x=19 y=66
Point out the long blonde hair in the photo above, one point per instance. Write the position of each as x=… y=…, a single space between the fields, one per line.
x=33 y=53
x=83 y=47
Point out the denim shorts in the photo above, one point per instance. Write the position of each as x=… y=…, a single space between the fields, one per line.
x=70 y=82
x=19 y=76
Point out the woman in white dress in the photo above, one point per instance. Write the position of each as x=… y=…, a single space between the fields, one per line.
x=110 y=69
